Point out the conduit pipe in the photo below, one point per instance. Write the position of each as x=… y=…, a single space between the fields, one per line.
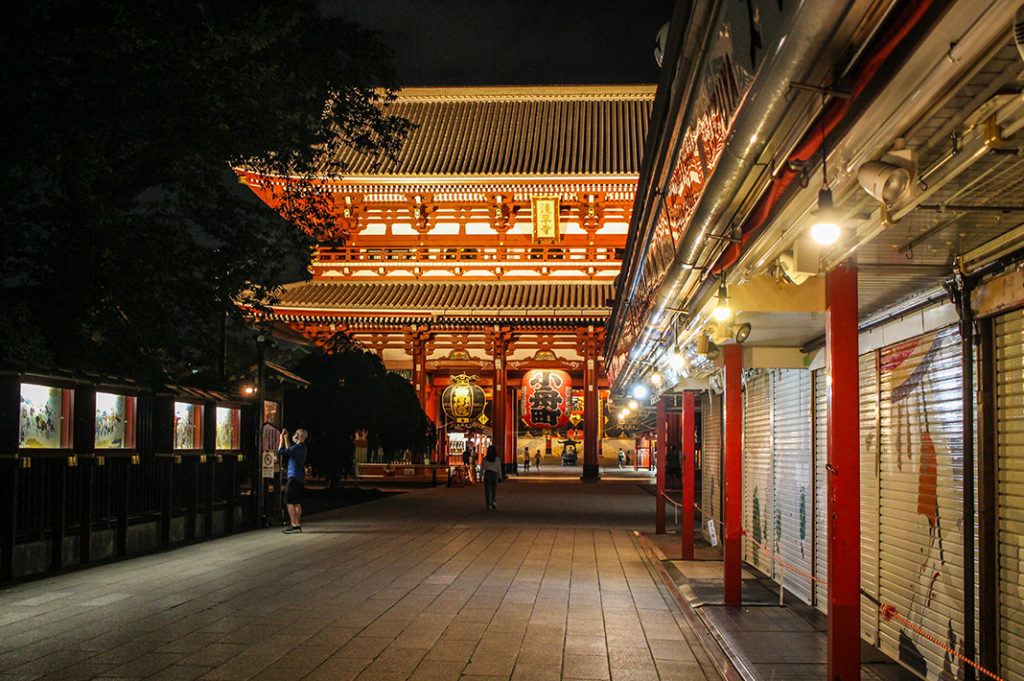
x=764 y=107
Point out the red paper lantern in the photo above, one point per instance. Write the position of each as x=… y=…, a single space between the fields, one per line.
x=547 y=398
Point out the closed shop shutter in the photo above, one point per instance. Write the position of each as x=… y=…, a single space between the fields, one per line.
x=792 y=500
x=921 y=498
x=757 y=469
x=820 y=488
x=869 y=442
x=1010 y=439
x=711 y=472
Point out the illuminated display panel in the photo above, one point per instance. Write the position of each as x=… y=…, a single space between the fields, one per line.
x=188 y=426
x=115 y=421
x=45 y=417
x=228 y=426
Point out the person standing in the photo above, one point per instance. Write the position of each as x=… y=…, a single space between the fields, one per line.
x=622 y=458
x=537 y=460
x=526 y=459
x=296 y=485
x=491 y=467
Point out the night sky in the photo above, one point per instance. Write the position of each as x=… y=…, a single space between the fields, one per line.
x=524 y=42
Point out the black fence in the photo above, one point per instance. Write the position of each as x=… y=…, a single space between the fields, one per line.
x=76 y=503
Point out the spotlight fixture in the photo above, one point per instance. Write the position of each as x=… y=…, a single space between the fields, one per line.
x=885 y=182
x=722 y=311
x=741 y=332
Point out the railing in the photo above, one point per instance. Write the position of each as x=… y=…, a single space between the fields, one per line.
x=518 y=255
x=400 y=472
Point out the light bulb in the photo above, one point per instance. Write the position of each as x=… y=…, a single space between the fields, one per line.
x=633 y=405
x=655 y=378
x=677 y=361
x=640 y=391
x=825 y=229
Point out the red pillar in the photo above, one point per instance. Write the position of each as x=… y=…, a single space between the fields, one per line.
x=510 y=429
x=661 y=438
x=591 y=413
x=687 y=466
x=733 y=476
x=844 y=479
x=498 y=409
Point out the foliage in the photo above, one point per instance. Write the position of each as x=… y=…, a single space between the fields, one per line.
x=126 y=235
x=350 y=390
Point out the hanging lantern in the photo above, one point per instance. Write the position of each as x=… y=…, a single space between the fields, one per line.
x=463 y=400
x=547 y=398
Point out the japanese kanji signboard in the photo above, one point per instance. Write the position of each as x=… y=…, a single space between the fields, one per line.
x=547 y=398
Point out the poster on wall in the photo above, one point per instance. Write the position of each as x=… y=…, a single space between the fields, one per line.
x=228 y=428
x=187 y=420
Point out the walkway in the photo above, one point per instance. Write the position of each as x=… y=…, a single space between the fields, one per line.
x=423 y=585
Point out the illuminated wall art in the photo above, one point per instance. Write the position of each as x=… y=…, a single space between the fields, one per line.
x=188 y=422
x=228 y=428
x=115 y=421
x=45 y=417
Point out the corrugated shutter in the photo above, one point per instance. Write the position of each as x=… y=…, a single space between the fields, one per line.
x=711 y=472
x=1010 y=427
x=792 y=501
x=820 y=489
x=757 y=469
x=869 y=442
x=921 y=497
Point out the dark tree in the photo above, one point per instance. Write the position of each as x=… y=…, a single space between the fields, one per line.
x=350 y=390
x=126 y=237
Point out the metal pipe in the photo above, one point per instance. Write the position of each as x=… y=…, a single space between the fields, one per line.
x=766 y=103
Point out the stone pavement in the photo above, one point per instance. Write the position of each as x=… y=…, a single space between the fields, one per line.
x=422 y=585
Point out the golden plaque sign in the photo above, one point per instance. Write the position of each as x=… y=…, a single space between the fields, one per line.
x=545 y=219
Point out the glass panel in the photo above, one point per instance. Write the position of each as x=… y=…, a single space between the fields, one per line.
x=43 y=423
x=187 y=422
x=227 y=428
x=115 y=421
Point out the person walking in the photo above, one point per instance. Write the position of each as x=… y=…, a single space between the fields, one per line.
x=526 y=459
x=622 y=458
x=491 y=467
x=536 y=460
x=296 y=484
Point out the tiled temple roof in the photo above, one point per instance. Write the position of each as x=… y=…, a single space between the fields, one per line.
x=553 y=130
x=460 y=298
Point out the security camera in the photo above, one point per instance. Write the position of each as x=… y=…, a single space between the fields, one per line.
x=885 y=182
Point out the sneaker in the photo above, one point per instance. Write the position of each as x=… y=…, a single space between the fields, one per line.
x=292 y=529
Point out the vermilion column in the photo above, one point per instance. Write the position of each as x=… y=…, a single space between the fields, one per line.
x=419 y=373
x=687 y=465
x=498 y=400
x=511 y=421
x=844 y=474
x=591 y=414
x=733 y=475
x=661 y=438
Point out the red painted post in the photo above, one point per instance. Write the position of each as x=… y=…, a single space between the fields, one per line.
x=661 y=438
x=733 y=476
x=844 y=474
x=591 y=412
x=498 y=424
x=511 y=422
x=689 y=425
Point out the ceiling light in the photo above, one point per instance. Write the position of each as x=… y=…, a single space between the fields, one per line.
x=677 y=361
x=722 y=311
x=633 y=405
x=640 y=391
x=826 y=228
x=655 y=378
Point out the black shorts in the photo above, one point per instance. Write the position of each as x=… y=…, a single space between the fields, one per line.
x=293 y=490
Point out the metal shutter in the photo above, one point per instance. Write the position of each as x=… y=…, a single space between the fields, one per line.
x=820 y=489
x=711 y=471
x=792 y=501
x=1010 y=452
x=869 y=440
x=757 y=469
x=921 y=496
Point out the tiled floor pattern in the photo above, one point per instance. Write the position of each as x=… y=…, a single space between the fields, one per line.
x=426 y=585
